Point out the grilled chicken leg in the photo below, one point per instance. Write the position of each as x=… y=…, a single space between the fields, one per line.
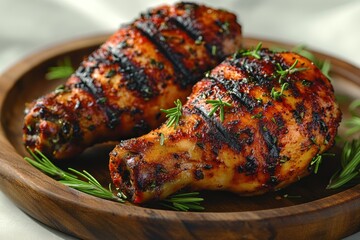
x=276 y=112
x=118 y=91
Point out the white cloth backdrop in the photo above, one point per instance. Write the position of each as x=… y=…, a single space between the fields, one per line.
x=329 y=26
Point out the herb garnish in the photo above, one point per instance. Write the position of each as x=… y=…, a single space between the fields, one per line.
x=178 y=202
x=251 y=52
x=91 y=186
x=350 y=164
x=173 y=114
x=283 y=73
x=183 y=202
x=276 y=94
x=162 y=139
x=317 y=160
x=324 y=66
x=213 y=50
x=353 y=123
x=218 y=104
x=63 y=70
x=225 y=27
x=199 y=40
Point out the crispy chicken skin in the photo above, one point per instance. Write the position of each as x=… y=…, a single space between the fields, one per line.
x=119 y=89
x=264 y=142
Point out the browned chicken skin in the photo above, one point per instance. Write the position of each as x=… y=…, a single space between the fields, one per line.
x=118 y=91
x=266 y=140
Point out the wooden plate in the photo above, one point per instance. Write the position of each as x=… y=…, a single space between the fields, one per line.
x=312 y=212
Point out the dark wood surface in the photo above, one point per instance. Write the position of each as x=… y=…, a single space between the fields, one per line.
x=316 y=214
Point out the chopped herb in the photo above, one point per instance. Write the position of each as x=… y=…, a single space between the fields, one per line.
x=318 y=159
x=284 y=159
x=218 y=104
x=251 y=52
x=110 y=73
x=283 y=73
x=306 y=83
x=162 y=139
x=199 y=40
x=28 y=128
x=257 y=116
x=213 y=50
x=63 y=70
x=60 y=89
x=276 y=94
x=173 y=114
x=225 y=27
x=101 y=100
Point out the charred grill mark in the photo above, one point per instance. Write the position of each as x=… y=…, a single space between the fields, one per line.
x=273 y=152
x=250 y=167
x=246 y=136
x=87 y=84
x=187 y=24
x=218 y=130
x=270 y=141
x=69 y=126
x=136 y=78
x=317 y=121
x=149 y=29
x=254 y=69
x=233 y=87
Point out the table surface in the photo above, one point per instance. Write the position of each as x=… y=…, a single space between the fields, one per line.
x=26 y=27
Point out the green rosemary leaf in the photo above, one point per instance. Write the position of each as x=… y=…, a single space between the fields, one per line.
x=254 y=52
x=350 y=164
x=162 y=139
x=173 y=114
x=183 y=202
x=63 y=70
x=218 y=104
x=91 y=186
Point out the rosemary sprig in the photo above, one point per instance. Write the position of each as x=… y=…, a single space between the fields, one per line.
x=179 y=202
x=218 y=104
x=184 y=202
x=254 y=52
x=276 y=94
x=324 y=66
x=283 y=73
x=91 y=186
x=63 y=70
x=353 y=124
x=350 y=164
x=173 y=114
x=317 y=160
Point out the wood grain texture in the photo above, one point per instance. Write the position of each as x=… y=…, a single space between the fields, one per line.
x=317 y=214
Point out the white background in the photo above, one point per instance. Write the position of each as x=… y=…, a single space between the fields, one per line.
x=27 y=26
